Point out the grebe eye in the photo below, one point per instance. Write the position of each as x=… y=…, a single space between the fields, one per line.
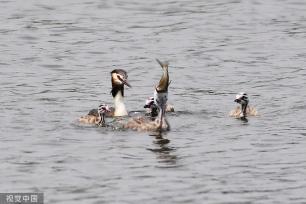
x=120 y=77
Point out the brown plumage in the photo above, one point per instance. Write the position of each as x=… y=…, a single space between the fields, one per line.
x=96 y=117
x=90 y=119
x=250 y=111
x=142 y=123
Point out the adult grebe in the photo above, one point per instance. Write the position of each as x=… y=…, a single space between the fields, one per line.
x=152 y=109
x=118 y=79
x=160 y=99
x=98 y=119
x=245 y=110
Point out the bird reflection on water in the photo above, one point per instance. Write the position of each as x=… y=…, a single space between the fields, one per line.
x=164 y=153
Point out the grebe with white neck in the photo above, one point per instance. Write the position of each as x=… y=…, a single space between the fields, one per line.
x=118 y=79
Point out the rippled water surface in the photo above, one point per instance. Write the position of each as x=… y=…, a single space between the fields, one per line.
x=55 y=63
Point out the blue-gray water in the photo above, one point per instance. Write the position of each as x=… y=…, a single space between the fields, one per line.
x=55 y=61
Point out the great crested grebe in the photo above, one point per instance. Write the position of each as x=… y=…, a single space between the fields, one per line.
x=245 y=110
x=152 y=109
x=160 y=100
x=118 y=79
x=98 y=119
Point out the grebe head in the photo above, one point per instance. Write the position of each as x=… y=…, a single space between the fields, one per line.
x=243 y=100
x=161 y=92
x=150 y=104
x=103 y=108
x=119 y=77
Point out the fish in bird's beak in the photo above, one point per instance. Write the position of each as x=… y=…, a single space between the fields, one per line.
x=164 y=81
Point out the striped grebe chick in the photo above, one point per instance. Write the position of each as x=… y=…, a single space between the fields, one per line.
x=244 y=110
x=160 y=100
x=152 y=109
x=97 y=119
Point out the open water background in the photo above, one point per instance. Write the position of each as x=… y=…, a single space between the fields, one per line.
x=55 y=61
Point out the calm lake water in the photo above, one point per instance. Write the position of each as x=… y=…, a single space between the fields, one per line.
x=55 y=63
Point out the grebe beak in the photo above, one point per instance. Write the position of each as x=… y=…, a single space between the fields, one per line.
x=124 y=81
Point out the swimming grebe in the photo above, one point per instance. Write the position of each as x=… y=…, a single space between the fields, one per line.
x=118 y=79
x=245 y=110
x=98 y=119
x=161 y=93
x=160 y=100
x=152 y=109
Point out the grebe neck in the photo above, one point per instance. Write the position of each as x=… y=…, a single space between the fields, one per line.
x=120 y=109
x=102 y=119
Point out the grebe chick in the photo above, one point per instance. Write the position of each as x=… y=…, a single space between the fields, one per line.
x=118 y=79
x=245 y=110
x=96 y=119
x=152 y=109
x=160 y=100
